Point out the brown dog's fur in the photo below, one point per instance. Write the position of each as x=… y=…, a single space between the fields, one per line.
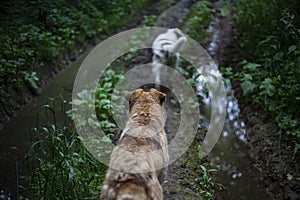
x=140 y=152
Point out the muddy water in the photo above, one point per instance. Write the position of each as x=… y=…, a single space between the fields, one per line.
x=237 y=169
x=237 y=172
x=15 y=136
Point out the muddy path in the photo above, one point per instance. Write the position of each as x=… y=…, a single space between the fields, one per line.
x=181 y=179
x=271 y=158
x=260 y=165
x=178 y=179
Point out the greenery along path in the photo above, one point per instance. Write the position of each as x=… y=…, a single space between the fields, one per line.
x=188 y=178
x=270 y=81
x=41 y=37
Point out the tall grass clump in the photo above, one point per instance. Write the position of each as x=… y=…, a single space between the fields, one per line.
x=59 y=165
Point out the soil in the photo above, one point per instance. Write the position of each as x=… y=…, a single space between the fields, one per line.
x=273 y=159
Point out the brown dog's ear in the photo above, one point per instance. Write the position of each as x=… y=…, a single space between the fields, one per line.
x=128 y=95
x=159 y=95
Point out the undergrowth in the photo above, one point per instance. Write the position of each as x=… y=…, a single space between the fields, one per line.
x=270 y=74
x=37 y=33
x=197 y=21
x=59 y=165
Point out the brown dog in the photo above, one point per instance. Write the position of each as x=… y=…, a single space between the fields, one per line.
x=140 y=152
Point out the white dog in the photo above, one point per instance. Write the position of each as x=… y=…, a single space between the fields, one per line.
x=164 y=45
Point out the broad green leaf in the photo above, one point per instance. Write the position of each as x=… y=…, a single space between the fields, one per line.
x=251 y=66
x=266 y=87
x=292 y=48
x=247 y=87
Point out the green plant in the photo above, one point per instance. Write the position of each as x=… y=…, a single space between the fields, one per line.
x=270 y=42
x=48 y=29
x=102 y=104
x=204 y=182
x=206 y=185
x=198 y=20
x=59 y=165
x=149 y=20
x=31 y=79
x=104 y=92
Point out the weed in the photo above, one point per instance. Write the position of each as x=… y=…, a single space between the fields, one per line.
x=270 y=43
x=149 y=20
x=47 y=29
x=31 y=79
x=59 y=165
x=198 y=20
x=206 y=185
x=103 y=105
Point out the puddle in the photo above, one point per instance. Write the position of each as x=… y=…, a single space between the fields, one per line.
x=237 y=169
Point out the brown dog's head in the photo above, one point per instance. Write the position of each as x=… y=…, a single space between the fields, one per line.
x=141 y=97
x=146 y=108
x=144 y=105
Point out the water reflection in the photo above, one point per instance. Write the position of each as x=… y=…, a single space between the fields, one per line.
x=4 y=196
x=237 y=126
x=237 y=171
x=214 y=32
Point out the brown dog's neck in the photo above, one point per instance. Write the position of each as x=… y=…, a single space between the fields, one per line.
x=141 y=115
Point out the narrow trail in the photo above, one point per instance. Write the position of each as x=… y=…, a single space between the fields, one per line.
x=179 y=179
x=172 y=16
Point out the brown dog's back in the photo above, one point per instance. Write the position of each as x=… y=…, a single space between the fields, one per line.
x=140 y=151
